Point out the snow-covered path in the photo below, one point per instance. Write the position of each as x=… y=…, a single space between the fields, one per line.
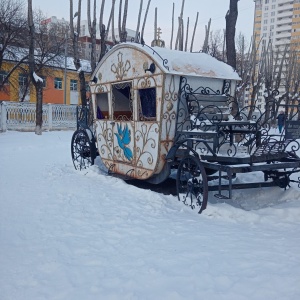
x=71 y=235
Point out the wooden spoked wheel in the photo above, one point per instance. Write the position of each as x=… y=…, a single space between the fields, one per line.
x=191 y=183
x=81 y=150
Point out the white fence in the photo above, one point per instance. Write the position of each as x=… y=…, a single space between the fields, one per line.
x=21 y=116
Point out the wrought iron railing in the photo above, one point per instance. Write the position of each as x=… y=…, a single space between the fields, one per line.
x=215 y=116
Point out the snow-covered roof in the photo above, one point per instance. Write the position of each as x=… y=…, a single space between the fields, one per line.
x=13 y=53
x=187 y=63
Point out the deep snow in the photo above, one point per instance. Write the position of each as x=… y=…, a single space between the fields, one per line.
x=71 y=235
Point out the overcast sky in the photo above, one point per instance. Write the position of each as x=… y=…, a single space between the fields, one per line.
x=214 y=9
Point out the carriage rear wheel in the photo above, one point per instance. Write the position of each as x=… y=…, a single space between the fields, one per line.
x=81 y=150
x=191 y=182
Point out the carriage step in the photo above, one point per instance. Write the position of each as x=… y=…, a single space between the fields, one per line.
x=220 y=196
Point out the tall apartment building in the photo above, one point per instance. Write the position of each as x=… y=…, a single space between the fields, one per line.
x=277 y=21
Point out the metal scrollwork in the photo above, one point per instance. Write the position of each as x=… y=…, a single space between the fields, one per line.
x=164 y=60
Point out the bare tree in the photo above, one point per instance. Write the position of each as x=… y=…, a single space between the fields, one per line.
x=123 y=31
x=207 y=33
x=113 y=21
x=102 y=32
x=231 y=18
x=187 y=34
x=36 y=80
x=120 y=20
x=144 y=23
x=172 y=30
x=194 y=32
x=136 y=38
x=75 y=31
x=92 y=31
x=215 y=44
x=13 y=36
x=180 y=35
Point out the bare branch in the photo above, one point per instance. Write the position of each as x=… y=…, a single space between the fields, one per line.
x=144 y=23
x=194 y=32
x=138 y=22
x=172 y=30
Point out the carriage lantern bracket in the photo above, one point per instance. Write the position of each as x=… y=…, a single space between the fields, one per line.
x=151 y=68
x=94 y=79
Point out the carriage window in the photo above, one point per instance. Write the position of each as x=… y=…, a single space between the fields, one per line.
x=122 y=102
x=147 y=104
x=102 y=106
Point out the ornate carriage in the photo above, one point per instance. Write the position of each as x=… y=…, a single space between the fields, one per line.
x=156 y=110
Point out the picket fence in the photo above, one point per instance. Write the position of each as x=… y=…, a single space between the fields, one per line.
x=21 y=116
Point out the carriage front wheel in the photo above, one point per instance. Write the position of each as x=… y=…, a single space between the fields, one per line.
x=81 y=150
x=191 y=183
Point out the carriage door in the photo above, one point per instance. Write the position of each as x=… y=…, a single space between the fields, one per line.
x=123 y=129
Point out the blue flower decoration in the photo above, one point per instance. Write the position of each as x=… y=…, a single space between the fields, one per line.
x=124 y=137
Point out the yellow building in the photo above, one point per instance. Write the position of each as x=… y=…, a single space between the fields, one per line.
x=55 y=89
x=277 y=21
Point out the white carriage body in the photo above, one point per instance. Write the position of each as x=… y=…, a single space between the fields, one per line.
x=136 y=102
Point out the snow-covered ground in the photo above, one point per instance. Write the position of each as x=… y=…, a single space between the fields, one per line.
x=71 y=235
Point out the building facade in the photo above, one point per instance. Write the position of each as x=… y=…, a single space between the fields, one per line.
x=277 y=21
x=61 y=85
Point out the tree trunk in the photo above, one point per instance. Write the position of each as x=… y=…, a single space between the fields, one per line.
x=187 y=34
x=76 y=59
x=136 y=39
x=37 y=84
x=194 y=31
x=124 y=32
x=39 y=107
x=172 y=30
x=207 y=32
x=92 y=31
x=102 y=32
x=231 y=19
x=120 y=21
x=144 y=23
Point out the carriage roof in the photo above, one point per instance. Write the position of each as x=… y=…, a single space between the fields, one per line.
x=180 y=62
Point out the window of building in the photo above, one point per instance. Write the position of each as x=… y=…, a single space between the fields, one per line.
x=58 y=83
x=23 y=79
x=266 y=15
x=272 y=20
x=265 y=28
x=266 y=1
x=265 y=21
x=3 y=75
x=147 y=102
x=273 y=6
x=272 y=13
x=266 y=7
x=73 y=85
